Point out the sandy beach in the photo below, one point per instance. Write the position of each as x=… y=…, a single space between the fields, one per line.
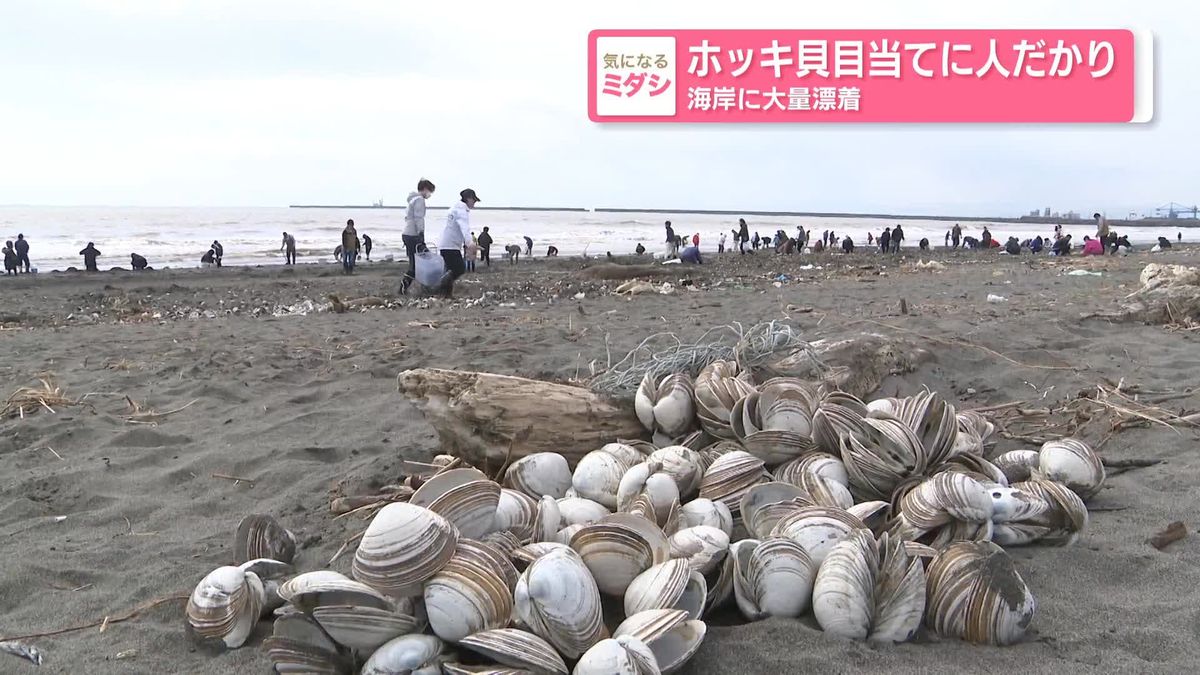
x=266 y=404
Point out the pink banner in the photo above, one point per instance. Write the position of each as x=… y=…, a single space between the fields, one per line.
x=748 y=76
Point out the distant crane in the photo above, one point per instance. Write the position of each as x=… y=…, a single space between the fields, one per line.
x=1173 y=211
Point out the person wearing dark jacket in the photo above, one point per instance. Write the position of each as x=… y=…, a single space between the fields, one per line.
x=986 y=237
x=743 y=235
x=218 y=251
x=1164 y=243
x=10 y=259
x=209 y=258
x=885 y=239
x=366 y=242
x=847 y=244
x=1012 y=247
x=1062 y=246
x=485 y=247
x=22 y=249
x=90 y=254
x=137 y=262
x=924 y=244
x=897 y=238
x=1037 y=244
x=640 y=250
x=349 y=247
x=956 y=235
x=672 y=247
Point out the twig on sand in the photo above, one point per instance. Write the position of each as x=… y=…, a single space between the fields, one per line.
x=1129 y=463
x=105 y=622
x=32 y=398
x=235 y=479
x=52 y=451
x=152 y=417
x=345 y=545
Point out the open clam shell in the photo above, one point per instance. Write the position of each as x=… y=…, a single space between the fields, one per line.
x=618 y=656
x=1072 y=463
x=836 y=415
x=672 y=637
x=821 y=464
x=704 y=511
x=298 y=645
x=404 y=546
x=883 y=453
x=619 y=548
x=771 y=577
x=516 y=648
x=952 y=504
x=667 y=406
x=539 y=474
x=557 y=598
x=728 y=479
x=1018 y=465
x=716 y=391
x=328 y=588
x=704 y=547
x=870 y=590
x=817 y=529
x=364 y=628
x=1059 y=522
x=975 y=593
x=465 y=497
x=261 y=536
x=934 y=422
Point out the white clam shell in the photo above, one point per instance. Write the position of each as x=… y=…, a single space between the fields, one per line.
x=518 y=649
x=817 y=529
x=470 y=594
x=683 y=464
x=1018 y=465
x=619 y=548
x=957 y=505
x=515 y=512
x=704 y=511
x=975 y=594
x=649 y=479
x=668 y=585
x=364 y=628
x=672 y=638
x=1072 y=463
x=326 y=587
x=716 y=391
x=298 y=644
x=599 y=473
x=539 y=474
x=404 y=546
x=546 y=519
x=557 y=598
x=869 y=590
x=465 y=497
x=1061 y=520
x=704 y=547
x=667 y=406
x=225 y=605
x=618 y=656
x=580 y=511
x=406 y=655
x=772 y=577
x=727 y=480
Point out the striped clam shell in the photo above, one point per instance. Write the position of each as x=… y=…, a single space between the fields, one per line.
x=465 y=497
x=619 y=548
x=471 y=593
x=225 y=606
x=1072 y=463
x=672 y=638
x=518 y=649
x=868 y=589
x=557 y=598
x=542 y=473
x=403 y=547
x=668 y=585
x=975 y=593
x=771 y=577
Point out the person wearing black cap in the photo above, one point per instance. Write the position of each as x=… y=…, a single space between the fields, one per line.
x=454 y=237
x=90 y=253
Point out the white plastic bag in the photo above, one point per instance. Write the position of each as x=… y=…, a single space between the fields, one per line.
x=430 y=268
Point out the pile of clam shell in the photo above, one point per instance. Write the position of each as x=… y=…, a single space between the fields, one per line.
x=777 y=499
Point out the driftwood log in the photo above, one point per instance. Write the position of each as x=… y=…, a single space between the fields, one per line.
x=488 y=419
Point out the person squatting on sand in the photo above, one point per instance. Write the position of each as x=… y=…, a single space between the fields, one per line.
x=455 y=237
x=289 y=248
x=551 y=251
x=137 y=262
x=349 y=247
x=513 y=253
x=90 y=253
x=413 y=235
x=209 y=258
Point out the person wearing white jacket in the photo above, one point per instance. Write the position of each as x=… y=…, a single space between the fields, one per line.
x=454 y=238
x=413 y=235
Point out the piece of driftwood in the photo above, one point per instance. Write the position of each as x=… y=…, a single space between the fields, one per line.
x=1169 y=295
x=857 y=365
x=489 y=419
x=1174 y=532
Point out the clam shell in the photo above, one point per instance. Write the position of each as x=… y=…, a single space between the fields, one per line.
x=702 y=546
x=681 y=463
x=880 y=455
x=599 y=473
x=649 y=479
x=668 y=585
x=1018 y=465
x=1059 y=523
x=821 y=464
x=470 y=594
x=868 y=590
x=945 y=498
x=975 y=593
x=1072 y=463
x=783 y=497
x=728 y=479
x=405 y=655
x=771 y=577
x=580 y=511
x=326 y=587
x=518 y=649
x=817 y=529
x=404 y=546
x=364 y=628
x=225 y=605
x=974 y=466
x=298 y=645
x=539 y=474
x=716 y=391
x=671 y=637
x=1013 y=504
x=558 y=600
x=934 y=422
x=525 y=555
x=261 y=536
x=564 y=535
x=619 y=548
x=546 y=519
x=706 y=512
x=668 y=406
x=773 y=426
x=515 y=512
x=465 y=497
x=835 y=416
x=618 y=656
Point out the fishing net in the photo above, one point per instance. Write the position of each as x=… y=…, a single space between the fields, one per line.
x=662 y=354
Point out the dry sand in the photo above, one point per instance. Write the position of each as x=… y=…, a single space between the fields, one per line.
x=302 y=405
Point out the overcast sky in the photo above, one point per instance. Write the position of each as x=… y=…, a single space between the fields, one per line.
x=172 y=102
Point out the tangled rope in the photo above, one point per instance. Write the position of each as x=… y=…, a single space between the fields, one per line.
x=664 y=353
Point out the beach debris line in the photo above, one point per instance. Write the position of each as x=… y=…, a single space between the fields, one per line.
x=762 y=497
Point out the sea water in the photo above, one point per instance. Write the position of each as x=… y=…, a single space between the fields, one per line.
x=178 y=237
